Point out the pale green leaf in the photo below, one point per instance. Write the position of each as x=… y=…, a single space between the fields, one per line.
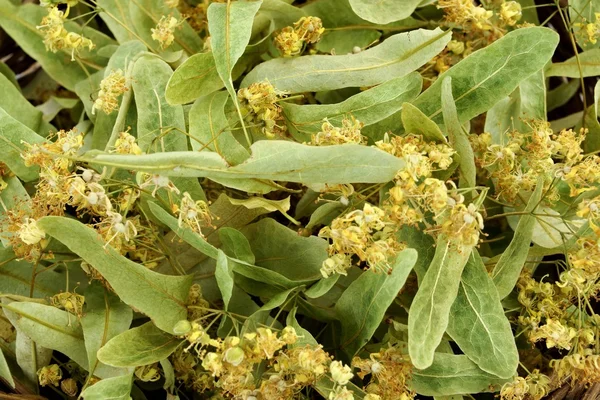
x=271 y=159
x=368 y=107
x=224 y=277
x=362 y=306
x=453 y=374
x=384 y=11
x=116 y=388
x=5 y=373
x=29 y=355
x=230 y=27
x=280 y=249
x=397 y=56
x=478 y=325
x=430 y=309
x=158 y=122
x=343 y=41
x=196 y=77
x=17 y=106
x=322 y=287
x=143 y=345
x=160 y=297
x=325 y=214
x=13 y=135
x=458 y=138
x=417 y=123
x=561 y=95
x=511 y=262
x=583 y=65
x=115 y=14
x=488 y=75
x=105 y=317
x=269 y=205
x=209 y=129
x=51 y=328
x=235 y=244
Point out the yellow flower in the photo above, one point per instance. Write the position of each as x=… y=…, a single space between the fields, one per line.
x=163 y=33
x=510 y=12
x=56 y=37
x=49 y=375
x=340 y=373
x=126 y=144
x=30 y=233
x=111 y=87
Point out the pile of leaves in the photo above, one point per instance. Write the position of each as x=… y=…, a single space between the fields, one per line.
x=279 y=199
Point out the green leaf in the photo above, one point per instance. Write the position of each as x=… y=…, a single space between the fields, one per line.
x=304 y=336
x=282 y=205
x=209 y=129
x=511 y=262
x=105 y=317
x=160 y=125
x=29 y=355
x=235 y=244
x=451 y=374
x=478 y=325
x=116 y=388
x=458 y=138
x=160 y=297
x=185 y=233
x=13 y=135
x=417 y=123
x=430 y=309
x=362 y=306
x=143 y=345
x=5 y=373
x=343 y=41
x=51 y=328
x=16 y=105
x=230 y=28
x=384 y=11
x=325 y=214
x=115 y=14
x=397 y=56
x=239 y=266
x=526 y=102
x=271 y=159
x=322 y=287
x=368 y=107
x=196 y=77
x=261 y=316
x=224 y=277
x=277 y=248
x=488 y=75
x=583 y=65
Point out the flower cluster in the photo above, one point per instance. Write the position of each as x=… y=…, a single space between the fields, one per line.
x=56 y=36
x=390 y=370
x=164 y=32
x=349 y=132
x=231 y=364
x=291 y=40
x=534 y=386
x=111 y=87
x=363 y=233
x=588 y=31
x=259 y=106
